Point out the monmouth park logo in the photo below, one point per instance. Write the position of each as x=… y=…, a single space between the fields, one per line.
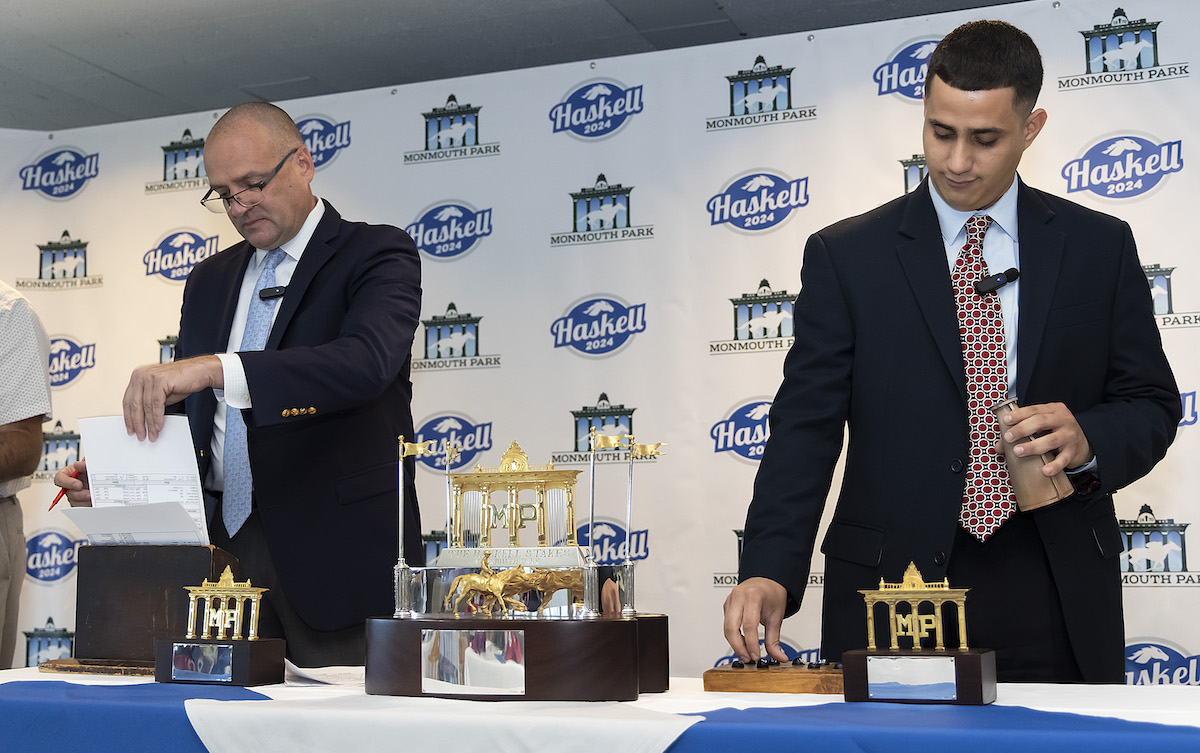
x=757 y=201
x=450 y=229
x=760 y=95
x=1155 y=662
x=596 y=109
x=806 y=655
x=1123 y=51
x=324 y=138
x=60 y=174
x=1122 y=167
x=457 y=431
x=598 y=326
x=744 y=432
x=178 y=252
x=452 y=342
x=51 y=556
x=451 y=133
x=69 y=359
x=1188 y=402
x=611 y=542
x=905 y=73
x=182 y=165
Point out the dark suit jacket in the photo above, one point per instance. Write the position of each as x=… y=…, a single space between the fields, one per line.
x=331 y=393
x=877 y=349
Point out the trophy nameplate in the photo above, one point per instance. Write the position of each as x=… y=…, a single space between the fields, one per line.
x=916 y=674
x=501 y=618
x=219 y=652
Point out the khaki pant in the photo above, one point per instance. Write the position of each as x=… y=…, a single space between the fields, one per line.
x=12 y=575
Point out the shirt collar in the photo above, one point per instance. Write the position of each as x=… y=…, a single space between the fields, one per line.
x=952 y=221
x=295 y=247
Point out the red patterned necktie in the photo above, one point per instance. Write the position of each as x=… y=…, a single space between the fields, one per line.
x=988 y=498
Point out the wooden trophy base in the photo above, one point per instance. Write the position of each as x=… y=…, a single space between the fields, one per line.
x=965 y=678
x=219 y=661
x=653 y=653
x=777 y=678
x=546 y=659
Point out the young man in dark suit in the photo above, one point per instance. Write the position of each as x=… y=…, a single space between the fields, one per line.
x=879 y=349
x=304 y=420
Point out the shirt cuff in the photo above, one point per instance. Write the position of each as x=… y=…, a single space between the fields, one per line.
x=1088 y=467
x=237 y=392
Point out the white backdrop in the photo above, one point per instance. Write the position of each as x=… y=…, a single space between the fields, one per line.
x=654 y=264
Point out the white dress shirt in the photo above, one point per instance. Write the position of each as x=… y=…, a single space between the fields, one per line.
x=237 y=392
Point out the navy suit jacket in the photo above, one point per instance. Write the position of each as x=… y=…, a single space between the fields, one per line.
x=877 y=350
x=331 y=393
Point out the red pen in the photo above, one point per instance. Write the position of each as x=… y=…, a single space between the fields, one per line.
x=72 y=473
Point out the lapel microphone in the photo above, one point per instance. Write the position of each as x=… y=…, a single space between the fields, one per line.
x=983 y=285
x=268 y=294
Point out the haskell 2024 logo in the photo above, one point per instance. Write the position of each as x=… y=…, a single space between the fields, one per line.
x=757 y=201
x=51 y=556
x=612 y=541
x=1154 y=661
x=1124 y=166
x=596 y=109
x=177 y=252
x=68 y=359
x=598 y=325
x=324 y=137
x=745 y=431
x=60 y=174
x=1121 y=52
x=450 y=229
x=455 y=430
x=904 y=74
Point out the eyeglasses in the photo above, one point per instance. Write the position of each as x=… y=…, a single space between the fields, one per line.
x=247 y=197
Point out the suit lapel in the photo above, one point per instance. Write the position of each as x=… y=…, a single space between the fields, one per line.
x=316 y=254
x=1041 y=248
x=922 y=254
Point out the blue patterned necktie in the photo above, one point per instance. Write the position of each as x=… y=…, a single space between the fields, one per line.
x=235 y=503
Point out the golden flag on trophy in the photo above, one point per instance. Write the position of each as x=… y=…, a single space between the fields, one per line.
x=421 y=448
x=604 y=441
x=647 y=450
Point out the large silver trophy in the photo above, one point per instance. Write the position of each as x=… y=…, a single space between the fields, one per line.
x=511 y=608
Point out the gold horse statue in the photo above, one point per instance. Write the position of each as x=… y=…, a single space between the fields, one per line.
x=548 y=582
x=488 y=583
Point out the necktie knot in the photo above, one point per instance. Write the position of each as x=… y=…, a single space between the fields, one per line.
x=977 y=227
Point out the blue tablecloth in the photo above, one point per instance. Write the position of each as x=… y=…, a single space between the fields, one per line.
x=907 y=728
x=52 y=715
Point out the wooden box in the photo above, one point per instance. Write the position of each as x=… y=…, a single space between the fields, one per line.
x=128 y=596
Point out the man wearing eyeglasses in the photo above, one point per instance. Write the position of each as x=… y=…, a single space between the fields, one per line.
x=292 y=366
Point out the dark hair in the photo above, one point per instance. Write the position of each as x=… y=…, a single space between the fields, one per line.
x=982 y=55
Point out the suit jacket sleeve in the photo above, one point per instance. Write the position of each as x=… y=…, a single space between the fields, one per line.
x=806 y=420
x=1135 y=421
x=350 y=334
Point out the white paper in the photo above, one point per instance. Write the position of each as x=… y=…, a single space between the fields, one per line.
x=142 y=492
